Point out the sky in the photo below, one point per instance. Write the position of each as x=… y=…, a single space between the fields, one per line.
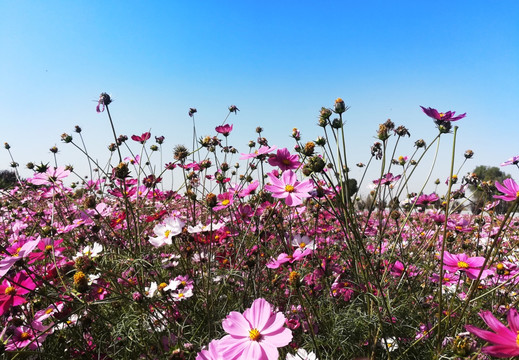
x=278 y=62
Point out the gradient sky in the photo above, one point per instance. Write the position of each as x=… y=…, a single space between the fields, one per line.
x=279 y=62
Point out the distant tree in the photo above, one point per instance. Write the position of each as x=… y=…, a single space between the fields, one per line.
x=7 y=179
x=481 y=183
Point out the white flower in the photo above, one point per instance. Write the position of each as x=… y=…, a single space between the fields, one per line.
x=303 y=242
x=172 y=226
x=389 y=343
x=90 y=251
x=302 y=354
x=182 y=294
x=202 y=228
x=150 y=290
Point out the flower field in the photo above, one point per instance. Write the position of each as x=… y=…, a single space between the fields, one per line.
x=278 y=256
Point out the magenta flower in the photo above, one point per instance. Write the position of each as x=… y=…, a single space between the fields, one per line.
x=470 y=265
x=224 y=201
x=438 y=116
x=510 y=189
x=284 y=160
x=225 y=130
x=387 y=179
x=142 y=139
x=505 y=340
x=10 y=291
x=427 y=199
x=289 y=188
x=254 y=335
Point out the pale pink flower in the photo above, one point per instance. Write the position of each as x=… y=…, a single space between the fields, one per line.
x=261 y=151
x=255 y=334
x=52 y=176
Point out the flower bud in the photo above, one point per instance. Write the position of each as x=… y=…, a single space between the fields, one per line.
x=339 y=107
x=469 y=154
x=66 y=138
x=320 y=141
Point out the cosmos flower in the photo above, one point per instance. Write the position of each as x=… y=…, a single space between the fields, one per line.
x=211 y=353
x=302 y=354
x=512 y=161
x=470 y=265
x=142 y=139
x=261 y=151
x=255 y=334
x=284 y=160
x=225 y=130
x=509 y=188
x=52 y=176
x=438 y=116
x=164 y=232
x=288 y=188
x=505 y=340
x=10 y=291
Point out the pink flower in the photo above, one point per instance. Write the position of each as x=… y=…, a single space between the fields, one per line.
x=10 y=291
x=514 y=160
x=224 y=201
x=387 y=179
x=470 y=265
x=261 y=151
x=284 y=160
x=50 y=177
x=289 y=188
x=142 y=139
x=510 y=189
x=505 y=340
x=254 y=335
x=212 y=353
x=225 y=130
x=24 y=251
x=438 y=116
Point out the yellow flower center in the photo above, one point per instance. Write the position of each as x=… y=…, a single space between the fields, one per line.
x=10 y=291
x=517 y=194
x=25 y=336
x=254 y=334
x=517 y=339
x=49 y=310
x=302 y=245
x=225 y=202
x=463 y=265
x=285 y=161
x=500 y=266
x=339 y=100
x=79 y=277
x=161 y=286
x=166 y=234
x=180 y=295
x=289 y=188
x=441 y=114
x=48 y=248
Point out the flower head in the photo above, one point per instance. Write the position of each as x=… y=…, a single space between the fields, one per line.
x=284 y=160
x=470 y=265
x=255 y=334
x=505 y=340
x=225 y=130
x=510 y=189
x=288 y=188
x=438 y=116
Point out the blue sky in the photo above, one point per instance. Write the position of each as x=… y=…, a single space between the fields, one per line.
x=279 y=62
